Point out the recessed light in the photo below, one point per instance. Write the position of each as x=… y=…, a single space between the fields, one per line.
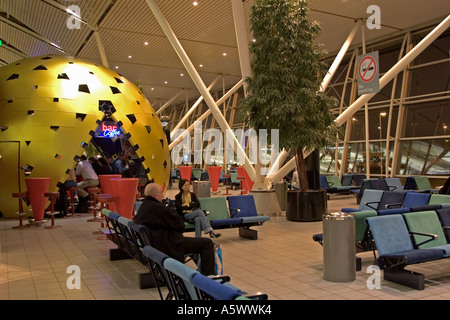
x=224 y=54
x=195 y=3
x=181 y=74
x=165 y=82
x=117 y=67
x=129 y=57
x=201 y=66
x=146 y=43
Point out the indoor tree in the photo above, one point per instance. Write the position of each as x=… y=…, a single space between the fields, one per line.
x=284 y=88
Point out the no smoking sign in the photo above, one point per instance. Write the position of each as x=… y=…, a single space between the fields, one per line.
x=368 y=74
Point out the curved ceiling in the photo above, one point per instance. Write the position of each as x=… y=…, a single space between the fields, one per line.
x=136 y=47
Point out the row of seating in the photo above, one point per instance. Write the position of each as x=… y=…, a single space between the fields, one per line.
x=348 y=182
x=231 y=212
x=417 y=183
x=228 y=212
x=392 y=202
x=407 y=239
x=182 y=282
x=379 y=203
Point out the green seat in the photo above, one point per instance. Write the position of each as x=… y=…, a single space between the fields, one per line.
x=360 y=224
x=423 y=184
x=217 y=207
x=427 y=222
x=439 y=199
x=333 y=181
x=197 y=173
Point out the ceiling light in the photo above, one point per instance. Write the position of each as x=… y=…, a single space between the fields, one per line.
x=146 y=43
x=195 y=3
x=181 y=74
x=201 y=66
x=129 y=57
x=224 y=54
x=117 y=67
x=165 y=82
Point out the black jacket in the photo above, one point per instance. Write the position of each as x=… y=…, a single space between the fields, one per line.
x=195 y=204
x=166 y=227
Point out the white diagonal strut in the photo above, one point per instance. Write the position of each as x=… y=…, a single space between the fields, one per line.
x=198 y=82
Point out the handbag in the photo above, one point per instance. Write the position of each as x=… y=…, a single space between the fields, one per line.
x=218 y=259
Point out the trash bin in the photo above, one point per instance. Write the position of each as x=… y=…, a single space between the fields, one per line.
x=339 y=249
x=202 y=189
x=281 y=192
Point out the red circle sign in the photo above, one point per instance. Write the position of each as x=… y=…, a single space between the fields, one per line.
x=367 y=69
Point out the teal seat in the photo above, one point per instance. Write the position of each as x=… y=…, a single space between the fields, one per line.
x=393 y=243
x=180 y=279
x=427 y=222
x=423 y=184
x=439 y=199
x=394 y=184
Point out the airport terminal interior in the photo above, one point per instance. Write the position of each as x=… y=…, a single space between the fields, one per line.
x=102 y=77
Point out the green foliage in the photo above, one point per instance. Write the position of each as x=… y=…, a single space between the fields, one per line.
x=284 y=89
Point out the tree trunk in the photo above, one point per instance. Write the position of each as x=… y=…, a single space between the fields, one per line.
x=301 y=170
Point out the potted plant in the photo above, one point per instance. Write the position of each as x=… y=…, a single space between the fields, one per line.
x=284 y=92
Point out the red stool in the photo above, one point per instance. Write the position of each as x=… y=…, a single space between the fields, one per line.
x=226 y=176
x=104 y=199
x=52 y=196
x=243 y=187
x=141 y=187
x=71 y=192
x=21 y=196
x=95 y=194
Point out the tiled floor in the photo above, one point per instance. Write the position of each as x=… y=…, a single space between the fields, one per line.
x=284 y=262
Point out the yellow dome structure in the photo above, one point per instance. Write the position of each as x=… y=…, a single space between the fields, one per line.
x=50 y=107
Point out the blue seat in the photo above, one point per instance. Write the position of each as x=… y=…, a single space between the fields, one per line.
x=222 y=216
x=379 y=184
x=394 y=184
x=391 y=197
x=396 y=250
x=392 y=240
x=180 y=279
x=415 y=199
x=385 y=212
x=209 y=289
x=369 y=201
x=247 y=209
x=156 y=264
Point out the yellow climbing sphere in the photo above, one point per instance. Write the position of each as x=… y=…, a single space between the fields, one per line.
x=50 y=108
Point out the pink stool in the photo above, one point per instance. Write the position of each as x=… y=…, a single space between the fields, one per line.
x=52 y=196
x=104 y=200
x=71 y=192
x=21 y=196
x=95 y=193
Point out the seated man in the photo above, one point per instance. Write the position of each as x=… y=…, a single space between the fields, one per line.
x=90 y=179
x=166 y=229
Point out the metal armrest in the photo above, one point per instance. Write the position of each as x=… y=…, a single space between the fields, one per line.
x=222 y=279
x=257 y=296
x=374 y=208
x=390 y=205
x=234 y=211
x=432 y=237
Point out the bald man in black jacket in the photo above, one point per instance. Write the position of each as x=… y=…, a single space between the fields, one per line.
x=166 y=230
